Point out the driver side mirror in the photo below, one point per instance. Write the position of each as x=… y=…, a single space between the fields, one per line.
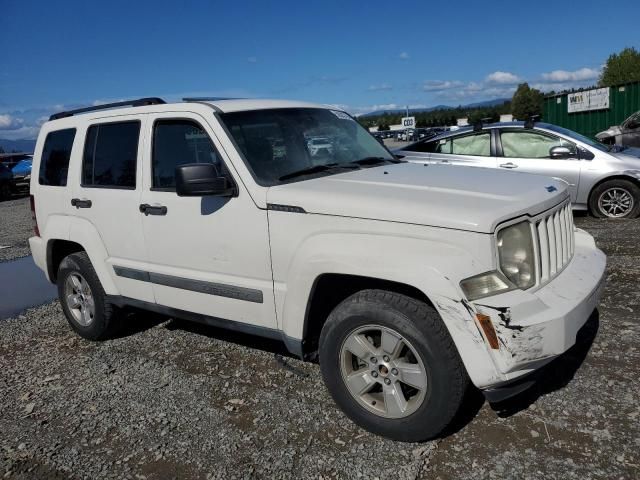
x=559 y=152
x=202 y=179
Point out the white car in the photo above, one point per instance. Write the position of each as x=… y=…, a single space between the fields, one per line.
x=408 y=282
x=320 y=146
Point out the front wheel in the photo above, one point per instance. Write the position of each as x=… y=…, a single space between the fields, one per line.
x=615 y=199
x=390 y=364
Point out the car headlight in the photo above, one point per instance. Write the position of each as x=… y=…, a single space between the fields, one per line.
x=485 y=285
x=516 y=255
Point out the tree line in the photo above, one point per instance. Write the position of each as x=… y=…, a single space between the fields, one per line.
x=622 y=67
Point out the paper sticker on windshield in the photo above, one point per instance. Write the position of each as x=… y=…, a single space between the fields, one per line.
x=341 y=115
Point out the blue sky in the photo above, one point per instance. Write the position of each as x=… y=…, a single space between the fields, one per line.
x=361 y=56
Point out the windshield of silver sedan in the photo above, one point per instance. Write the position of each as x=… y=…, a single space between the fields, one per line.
x=292 y=144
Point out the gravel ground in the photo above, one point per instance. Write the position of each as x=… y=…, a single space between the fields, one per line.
x=173 y=399
x=15 y=228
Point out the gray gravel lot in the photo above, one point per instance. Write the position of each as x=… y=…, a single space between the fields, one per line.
x=173 y=399
x=15 y=228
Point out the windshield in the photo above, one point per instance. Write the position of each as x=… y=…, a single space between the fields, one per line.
x=577 y=136
x=280 y=142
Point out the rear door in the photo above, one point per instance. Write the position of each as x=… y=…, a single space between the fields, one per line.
x=527 y=150
x=108 y=195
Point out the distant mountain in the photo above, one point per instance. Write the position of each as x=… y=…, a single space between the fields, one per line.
x=22 y=145
x=486 y=103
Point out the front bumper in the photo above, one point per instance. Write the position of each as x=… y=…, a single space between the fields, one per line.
x=537 y=325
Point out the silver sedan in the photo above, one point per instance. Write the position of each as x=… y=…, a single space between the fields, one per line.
x=603 y=179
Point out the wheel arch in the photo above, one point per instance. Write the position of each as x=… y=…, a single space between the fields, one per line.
x=57 y=250
x=329 y=289
x=618 y=176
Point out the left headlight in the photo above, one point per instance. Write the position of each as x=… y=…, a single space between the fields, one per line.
x=516 y=254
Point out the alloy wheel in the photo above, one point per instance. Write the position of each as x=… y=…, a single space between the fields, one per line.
x=616 y=202
x=383 y=371
x=79 y=299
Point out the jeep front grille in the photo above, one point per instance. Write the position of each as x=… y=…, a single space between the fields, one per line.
x=555 y=242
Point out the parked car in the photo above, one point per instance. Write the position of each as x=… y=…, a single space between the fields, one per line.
x=627 y=134
x=406 y=283
x=603 y=179
x=6 y=180
x=20 y=166
x=22 y=174
x=320 y=146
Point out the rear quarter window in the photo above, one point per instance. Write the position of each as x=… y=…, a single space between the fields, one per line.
x=54 y=161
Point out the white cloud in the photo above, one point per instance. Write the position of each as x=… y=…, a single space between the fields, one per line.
x=439 y=85
x=252 y=59
x=580 y=75
x=404 y=56
x=9 y=122
x=381 y=87
x=503 y=78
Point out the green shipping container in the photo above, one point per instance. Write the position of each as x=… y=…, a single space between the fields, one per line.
x=623 y=101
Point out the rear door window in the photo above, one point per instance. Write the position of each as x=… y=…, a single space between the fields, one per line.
x=477 y=145
x=110 y=155
x=54 y=162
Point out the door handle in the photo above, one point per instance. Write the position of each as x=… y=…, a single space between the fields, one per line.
x=508 y=165
x=80 y=203
x=153 y=209
x=445 y=161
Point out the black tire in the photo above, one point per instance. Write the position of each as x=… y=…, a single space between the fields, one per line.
x=421 y=325
x=107 y=318
x=622 y=185
x=5 y=191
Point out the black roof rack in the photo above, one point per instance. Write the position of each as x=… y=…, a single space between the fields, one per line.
x=207 y=99
x=479 y=125
x=140 y=102
x=531 y=121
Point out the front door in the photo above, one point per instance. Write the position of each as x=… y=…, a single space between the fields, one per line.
x=207 y=255
x=631 y=131
x=527 y=150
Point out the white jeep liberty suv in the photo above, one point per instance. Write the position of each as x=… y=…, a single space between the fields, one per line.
x=407 y=282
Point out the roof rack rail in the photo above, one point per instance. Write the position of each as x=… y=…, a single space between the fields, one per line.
x=207 y=99
x=478 y=125
x=129 y=103
x=531 y=121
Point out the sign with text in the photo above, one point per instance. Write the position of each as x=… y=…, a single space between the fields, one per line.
x=596 y=99
x=408 y=122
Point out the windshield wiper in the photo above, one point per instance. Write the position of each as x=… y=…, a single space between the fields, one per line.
x=376 y=161
x=316 y=169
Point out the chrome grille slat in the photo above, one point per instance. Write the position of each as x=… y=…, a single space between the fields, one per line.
x=543 y=242
x=556 y=242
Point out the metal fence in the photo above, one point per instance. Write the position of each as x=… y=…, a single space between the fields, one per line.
x=623 y=101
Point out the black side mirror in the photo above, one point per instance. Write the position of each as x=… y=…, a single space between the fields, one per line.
x=559 y=152
x=202 y=179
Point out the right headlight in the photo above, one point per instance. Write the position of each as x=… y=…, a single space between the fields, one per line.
x=516 y=254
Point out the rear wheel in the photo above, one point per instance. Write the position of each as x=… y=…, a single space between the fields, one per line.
x=615 y=199
x=5 y=191
x=392 y=367
x=84 y=301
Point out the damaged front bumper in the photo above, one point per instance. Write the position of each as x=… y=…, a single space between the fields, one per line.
x=535 y=326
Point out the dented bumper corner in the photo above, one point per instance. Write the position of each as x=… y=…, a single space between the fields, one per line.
x=535 y=326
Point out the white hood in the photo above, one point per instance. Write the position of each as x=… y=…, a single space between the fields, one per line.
x=464 y=198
